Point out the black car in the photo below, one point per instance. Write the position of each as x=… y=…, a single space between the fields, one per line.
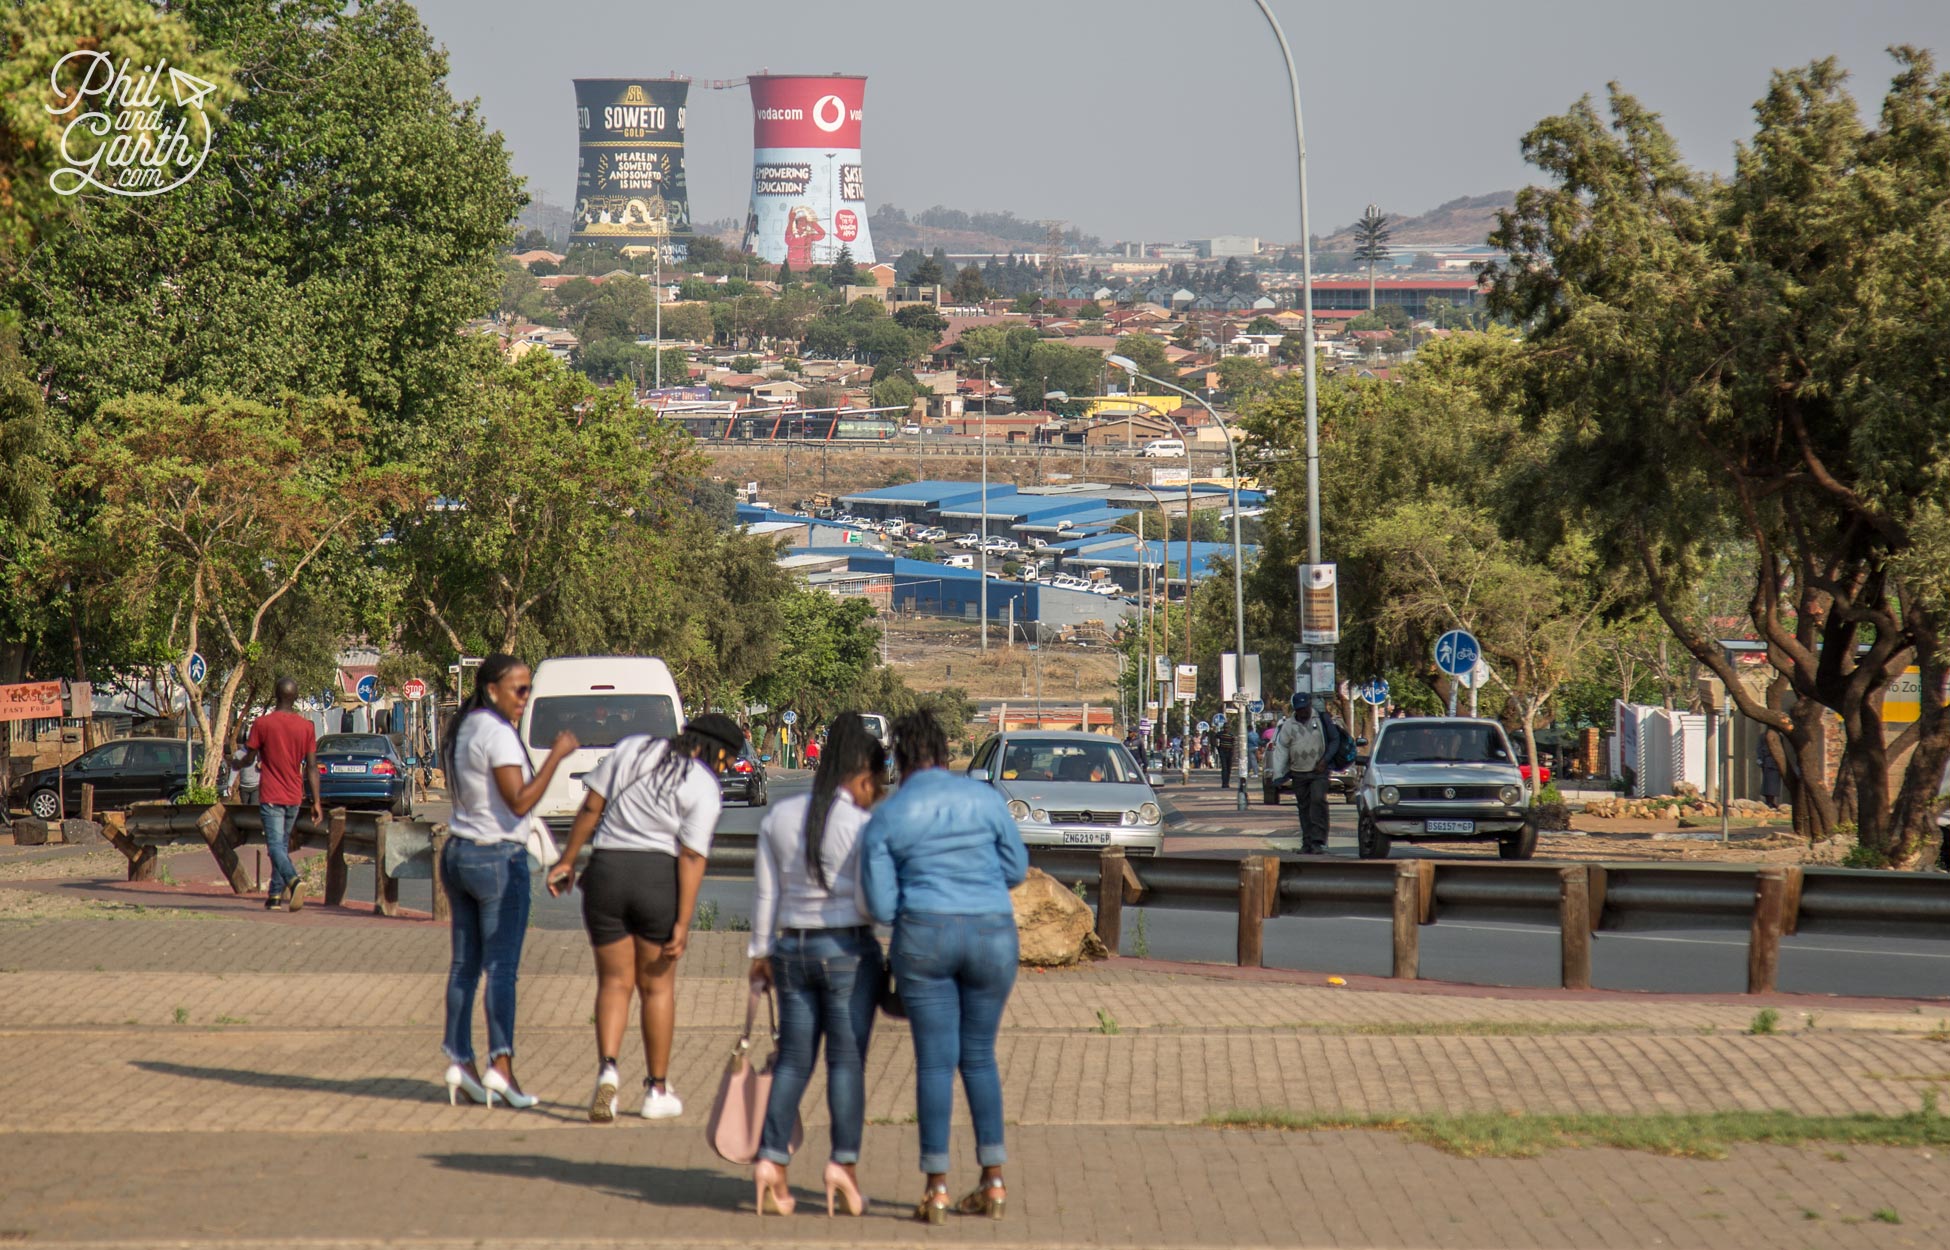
x=132 y=770
x=364 y=770
x=744 y=781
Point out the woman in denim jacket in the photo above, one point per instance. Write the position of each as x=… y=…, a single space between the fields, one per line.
x=937 y=861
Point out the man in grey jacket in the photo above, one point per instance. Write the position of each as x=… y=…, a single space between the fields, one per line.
x=1300 y=752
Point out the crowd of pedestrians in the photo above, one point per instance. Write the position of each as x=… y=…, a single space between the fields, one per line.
x=934 y=862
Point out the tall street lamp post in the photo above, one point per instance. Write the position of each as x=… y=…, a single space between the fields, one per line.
x=985 y=362
x=1238 y=573
x=1307 y=307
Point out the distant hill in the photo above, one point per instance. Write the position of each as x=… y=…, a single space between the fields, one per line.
x=1459 y=222
x=953 y=230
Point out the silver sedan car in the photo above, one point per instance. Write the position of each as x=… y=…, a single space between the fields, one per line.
x=1073 y=789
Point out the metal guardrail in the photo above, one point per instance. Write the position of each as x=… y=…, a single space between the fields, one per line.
x=1579 y=900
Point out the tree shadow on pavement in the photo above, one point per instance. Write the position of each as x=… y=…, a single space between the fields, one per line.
x=397 y=1088
x=646 y=1182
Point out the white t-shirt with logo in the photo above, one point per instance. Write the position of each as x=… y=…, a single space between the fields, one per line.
x=485 y=742
x=643 y=812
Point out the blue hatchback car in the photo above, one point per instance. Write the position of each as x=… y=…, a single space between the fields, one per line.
x=364 y=770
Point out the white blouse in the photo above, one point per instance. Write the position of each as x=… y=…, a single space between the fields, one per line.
x=785 y=893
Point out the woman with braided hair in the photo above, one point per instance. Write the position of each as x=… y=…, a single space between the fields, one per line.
x=650 y=814
x=813 y=941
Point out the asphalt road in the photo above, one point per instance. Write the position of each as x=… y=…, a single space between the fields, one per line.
x=1482 y=951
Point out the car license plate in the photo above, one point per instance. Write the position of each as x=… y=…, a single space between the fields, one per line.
x=1448 y=826
x=1086 y=837
x=348 y=768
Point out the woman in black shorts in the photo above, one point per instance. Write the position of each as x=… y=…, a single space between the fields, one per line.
x=650 y=813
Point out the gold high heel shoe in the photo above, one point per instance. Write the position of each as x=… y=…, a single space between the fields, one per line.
x=983 y=1199
x=769 y=1177
x=839 y=1180
x=933 y=1208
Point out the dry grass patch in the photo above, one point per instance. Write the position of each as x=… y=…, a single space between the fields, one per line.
x=1505 y=1135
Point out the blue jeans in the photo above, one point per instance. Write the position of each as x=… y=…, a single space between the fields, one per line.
x=954 y=974
x=278 y=819
x=829 y=987
x=487 y=896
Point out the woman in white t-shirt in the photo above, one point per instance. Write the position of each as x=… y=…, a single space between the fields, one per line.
x=650 y=814
x=485 y=870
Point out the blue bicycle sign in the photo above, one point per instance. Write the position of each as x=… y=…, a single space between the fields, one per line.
x=1456 y=652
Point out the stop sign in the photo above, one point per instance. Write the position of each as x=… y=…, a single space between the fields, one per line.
x=415 y=689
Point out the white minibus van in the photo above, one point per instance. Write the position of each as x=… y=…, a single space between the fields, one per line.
x=601 y=699
x=1164 y=449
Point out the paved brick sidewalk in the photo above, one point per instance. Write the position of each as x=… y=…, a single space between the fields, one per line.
x=306 y=1063
x=1070 y=1186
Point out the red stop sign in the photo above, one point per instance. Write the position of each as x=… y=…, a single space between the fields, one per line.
x=415 y=689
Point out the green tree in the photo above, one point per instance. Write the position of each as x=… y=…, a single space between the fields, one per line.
x=1445 y=565
x=1753 y=358
x=1371 y=235
x=1263 y=324
x=922 y=319
x=894 y=392
x=210 y=513
x=828 y=647
x=36 y=37
x=531 y=481
x=1244 y=375
x=970 y=288
x=1149 y=355
x=927 y=273
x=298 y=259
x=842 y=272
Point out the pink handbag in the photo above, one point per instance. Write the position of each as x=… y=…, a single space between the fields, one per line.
x=738 y=1114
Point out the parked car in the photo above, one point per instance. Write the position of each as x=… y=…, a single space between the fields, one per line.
x=894 y=529
x=1164 y=448
x=969 y=540
x=133 y=770
x=934 y=535
x=881 y=728
x=911 y=427
x=1073 y=789
x=364 y=770
x=1543 y=771
x=745 y=781
x=1443 y=779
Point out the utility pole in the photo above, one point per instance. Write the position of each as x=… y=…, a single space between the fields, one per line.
x=985 y=362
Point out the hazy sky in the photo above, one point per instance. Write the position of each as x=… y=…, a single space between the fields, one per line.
x=1142 y=119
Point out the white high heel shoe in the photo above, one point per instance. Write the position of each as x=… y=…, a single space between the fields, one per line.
x=461 y=1081
x=496 y=1086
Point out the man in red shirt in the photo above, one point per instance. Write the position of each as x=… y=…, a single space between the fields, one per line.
x=284 y=746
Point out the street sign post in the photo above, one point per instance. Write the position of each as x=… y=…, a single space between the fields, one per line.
x=1457 y=653
x=1218 y=720
x=1205 y=726
x=414 y=688
x=1256 y=707
x=790 y=718
x=367 y=689
x=197 y=668
x=1375 y=692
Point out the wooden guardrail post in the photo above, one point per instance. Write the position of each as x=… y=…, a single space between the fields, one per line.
x=1270 y=866
x=1574 y=927
x=1252 y=912
x=214 y=824
x=87 y=800
x=335 y=873
x=1111 y=866
x=385 y=890
x=1408 y=920
x=440 y=904
x=142 y=859
x=1764 y=942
